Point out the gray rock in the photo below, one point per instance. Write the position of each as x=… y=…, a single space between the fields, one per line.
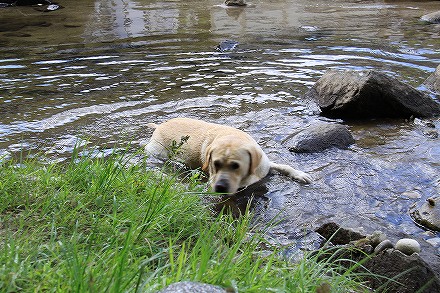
x=368 y=94
x=408 y=246
x=333 y=233
x=434 y=241
x=321 y=136
x=192 y=287
x=409 y=273
x=433 y=81
x=235 y=3
x=428 y=214
x=376 y=238
x=386 y=244
x=433 y=17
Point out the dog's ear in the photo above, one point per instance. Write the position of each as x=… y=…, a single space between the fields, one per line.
x=205 y=166
x=255 y=158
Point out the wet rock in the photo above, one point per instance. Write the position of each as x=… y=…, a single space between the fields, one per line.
x=376 y=238
x=433 y=17
x=428 y=214
x=227 y=45
x=409 y=273
x=235 y=3
x=321 y=136
x=368 y=94
x=424 y=123
x=427 y=127
x=433 y=134
x=46 y=5
x=433 y=81
x=386 y=244
x=412 y=194
x=191 y=287
x=333 y=233
x=408 y=246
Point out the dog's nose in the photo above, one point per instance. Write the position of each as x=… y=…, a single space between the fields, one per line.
x=221 y=186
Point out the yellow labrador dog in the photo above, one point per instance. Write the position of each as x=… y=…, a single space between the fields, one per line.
x=232 y=158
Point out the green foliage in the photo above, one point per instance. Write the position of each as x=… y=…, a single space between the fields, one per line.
x=175 y=148
x=107 y=225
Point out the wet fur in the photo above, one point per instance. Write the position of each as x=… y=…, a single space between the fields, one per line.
x=231 y=157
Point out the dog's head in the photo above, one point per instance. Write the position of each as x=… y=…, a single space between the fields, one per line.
x=229 y=164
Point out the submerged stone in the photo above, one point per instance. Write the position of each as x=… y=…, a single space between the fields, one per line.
x=227 y=45
x=321 y=136
x=235 y=3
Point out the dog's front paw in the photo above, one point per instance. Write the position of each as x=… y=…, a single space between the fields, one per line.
x=303 y=177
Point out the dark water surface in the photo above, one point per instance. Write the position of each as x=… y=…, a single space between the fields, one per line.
x=100 y=70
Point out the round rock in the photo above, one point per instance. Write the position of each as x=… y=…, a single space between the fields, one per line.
x=321 y=136
x=408 y=246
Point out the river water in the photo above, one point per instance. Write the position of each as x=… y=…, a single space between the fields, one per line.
x=100 y=70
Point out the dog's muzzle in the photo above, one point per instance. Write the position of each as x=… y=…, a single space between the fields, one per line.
x=222 y=186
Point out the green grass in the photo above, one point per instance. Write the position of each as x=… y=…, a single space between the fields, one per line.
x=106 y=225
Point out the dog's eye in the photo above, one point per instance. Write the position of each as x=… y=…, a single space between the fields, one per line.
x=217 y=165
x=234 y=166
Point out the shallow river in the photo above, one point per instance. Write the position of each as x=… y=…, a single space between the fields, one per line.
x=100 y=70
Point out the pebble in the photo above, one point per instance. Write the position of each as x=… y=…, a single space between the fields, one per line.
x=434 y=241
x=412 y=194
x=408 y=246
x=383 y=245
x=376 y=238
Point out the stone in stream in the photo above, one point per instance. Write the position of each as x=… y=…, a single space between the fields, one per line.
x=433 y=81
x=41 y=5
x=427 y=214
x=227 y=46
x=369 y=94
x=235 y=3
x=433 y=17
x=321 y=136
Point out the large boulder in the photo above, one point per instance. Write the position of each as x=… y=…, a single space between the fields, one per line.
x=321 y=136
x=433 y=81
x=369 y=94
x=401 y=273
x=387 y=269
x=433 y=17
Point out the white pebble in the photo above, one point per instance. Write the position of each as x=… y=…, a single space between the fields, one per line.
x=408 y=246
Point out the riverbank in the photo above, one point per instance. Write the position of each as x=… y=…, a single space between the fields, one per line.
x=94 y=225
